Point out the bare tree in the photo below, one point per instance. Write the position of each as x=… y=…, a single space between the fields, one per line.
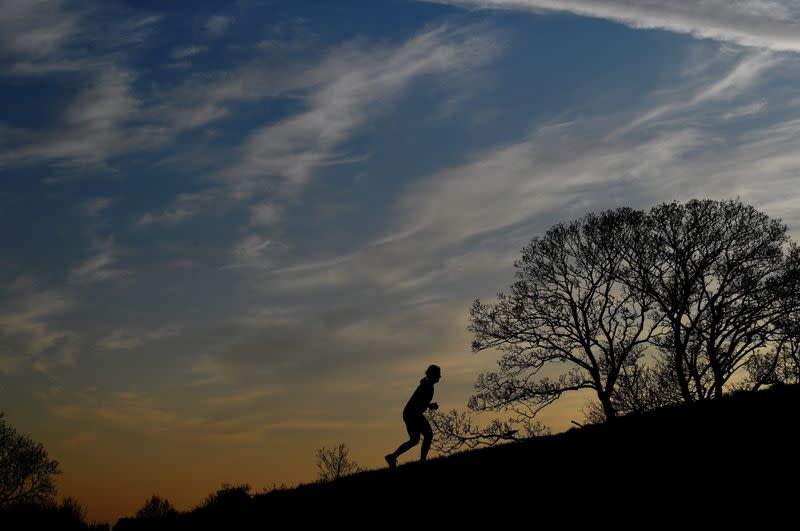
x=456 y=430
x=642 y=386
x=710 y=268
x=335 y=463
x=26 y=471
x=571 y=307
x=780 y=363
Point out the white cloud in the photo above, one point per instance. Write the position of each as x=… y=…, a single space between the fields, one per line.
x=349 y=86
x=240 y=398
x=217 y=25
x=128 y=338
x=91 y=129
x=30 y=315
x=34 y=33
x=189 y=51
x=185 y=206
x=760 y=23
x=101 y=266
x=139 y=413
x=9 y=363
x=254 y=250
x=446 y=226
x=264 y=214
x=288 y=36
x=455 y=233
x=30 y=335
x=51 y=37
x=183 y=118
x=745 y=110
x=94 y=207
x=670 y=152
x=741 y=77
x=23 y=282
x=206 y=98
x=145 y=414
x=80 y=439
x=45 y=37
x=458 y=227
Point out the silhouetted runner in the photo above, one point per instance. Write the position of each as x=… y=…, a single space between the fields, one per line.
x=414 y=417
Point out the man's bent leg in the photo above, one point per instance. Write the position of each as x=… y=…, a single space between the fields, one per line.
x=427 y=433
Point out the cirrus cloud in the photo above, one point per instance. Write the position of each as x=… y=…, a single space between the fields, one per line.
x=760 y=23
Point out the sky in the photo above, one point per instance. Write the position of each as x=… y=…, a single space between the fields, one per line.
x=233 y=233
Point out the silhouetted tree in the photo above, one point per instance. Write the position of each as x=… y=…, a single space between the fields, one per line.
x=26 y=471
x=641 y=387
x=156 y=508
x=711 y=270
x=456 y=430
x=228 y=496
x=69 y=515
x=71 y=510
x=780 y=363
x=335 y=463
x=572 y=305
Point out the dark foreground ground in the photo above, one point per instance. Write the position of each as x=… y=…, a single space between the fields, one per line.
x=727 y=463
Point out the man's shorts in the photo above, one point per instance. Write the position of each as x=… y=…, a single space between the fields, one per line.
x=418 y=425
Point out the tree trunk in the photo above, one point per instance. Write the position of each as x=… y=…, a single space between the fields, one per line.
x=716 y=369
x=608 y=407
x=679 y=351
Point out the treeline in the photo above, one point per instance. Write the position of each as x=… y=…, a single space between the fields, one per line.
x=27 y=488
x=677 y=304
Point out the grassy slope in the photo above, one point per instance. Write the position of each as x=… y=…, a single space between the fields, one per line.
x=736 y=458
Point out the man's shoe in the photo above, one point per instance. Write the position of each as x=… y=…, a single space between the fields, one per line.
x=392 y=460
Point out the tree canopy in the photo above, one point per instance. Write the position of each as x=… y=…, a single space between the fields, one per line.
x=643 y=308
x=26 y=471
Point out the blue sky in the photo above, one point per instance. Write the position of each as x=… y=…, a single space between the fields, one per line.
x=245 y=229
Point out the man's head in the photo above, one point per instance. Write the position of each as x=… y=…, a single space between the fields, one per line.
x=434 y=373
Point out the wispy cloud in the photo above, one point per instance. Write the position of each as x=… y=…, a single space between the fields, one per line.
x=189 y=51
x=30 y=333
x=288 y=36
x=22 y=282
x=217 y=25
x=10 y=362
x=101 y=266
x=45 y=37
x=350 y=85
x=51 y=38
x=240 y=398
x=92 y=127
x=454 y=233
x=34 y=34
x=96 y=206
x=745 y=110
x=265 y=214
x=446 y=226
x=225 y=417
x=341 y=92
x=140 y=413
x=742 y=76
x=772 y=24
x=185 y=206
x=129 y=338
x=255 y=251
x=80 y=439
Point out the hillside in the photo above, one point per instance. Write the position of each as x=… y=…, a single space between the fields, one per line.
x=729 y=460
